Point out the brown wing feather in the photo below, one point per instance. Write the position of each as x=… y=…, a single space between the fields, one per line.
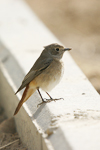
x=37 y=68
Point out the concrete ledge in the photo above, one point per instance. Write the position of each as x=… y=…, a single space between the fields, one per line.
x=72 y=123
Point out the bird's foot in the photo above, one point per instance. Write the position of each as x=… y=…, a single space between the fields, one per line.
x=49 y=100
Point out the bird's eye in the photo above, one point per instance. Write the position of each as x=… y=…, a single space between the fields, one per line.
x=57 y=49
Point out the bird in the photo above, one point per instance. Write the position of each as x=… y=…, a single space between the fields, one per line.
x=45 y=74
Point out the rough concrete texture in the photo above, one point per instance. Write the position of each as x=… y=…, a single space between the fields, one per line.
x=72 y=123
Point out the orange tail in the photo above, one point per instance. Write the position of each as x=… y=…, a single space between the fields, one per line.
x=26 y=94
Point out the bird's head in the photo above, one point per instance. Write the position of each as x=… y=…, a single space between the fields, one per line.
x=56 y=50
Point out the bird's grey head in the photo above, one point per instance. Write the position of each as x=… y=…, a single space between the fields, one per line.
x=55 y=50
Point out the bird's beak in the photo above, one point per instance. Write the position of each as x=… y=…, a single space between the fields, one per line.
x=67 y=49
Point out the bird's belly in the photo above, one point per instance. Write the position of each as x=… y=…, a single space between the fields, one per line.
x=50 y=77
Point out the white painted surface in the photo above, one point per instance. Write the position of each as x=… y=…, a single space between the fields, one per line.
x=78 y=115
x=22 y=32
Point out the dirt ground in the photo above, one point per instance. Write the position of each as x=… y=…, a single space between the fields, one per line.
x=9 y=139
x=76 y=24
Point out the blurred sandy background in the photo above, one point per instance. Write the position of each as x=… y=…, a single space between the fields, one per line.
x=76 y=24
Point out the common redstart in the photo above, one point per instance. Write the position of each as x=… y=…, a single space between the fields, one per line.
x=45 y=73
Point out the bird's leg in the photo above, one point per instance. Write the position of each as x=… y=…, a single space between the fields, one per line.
x=40 y=95
x=42 y=98
x=52 y=99
x=47 y=100
x=49 y=95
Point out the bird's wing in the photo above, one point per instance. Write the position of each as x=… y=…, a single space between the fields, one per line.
x=37 y=68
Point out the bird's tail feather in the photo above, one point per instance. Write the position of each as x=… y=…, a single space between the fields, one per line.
x=26 y=94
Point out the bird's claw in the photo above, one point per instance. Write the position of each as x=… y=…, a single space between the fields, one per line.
x=49 y=100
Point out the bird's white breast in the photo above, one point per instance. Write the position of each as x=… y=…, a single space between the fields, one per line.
x=51 y=76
